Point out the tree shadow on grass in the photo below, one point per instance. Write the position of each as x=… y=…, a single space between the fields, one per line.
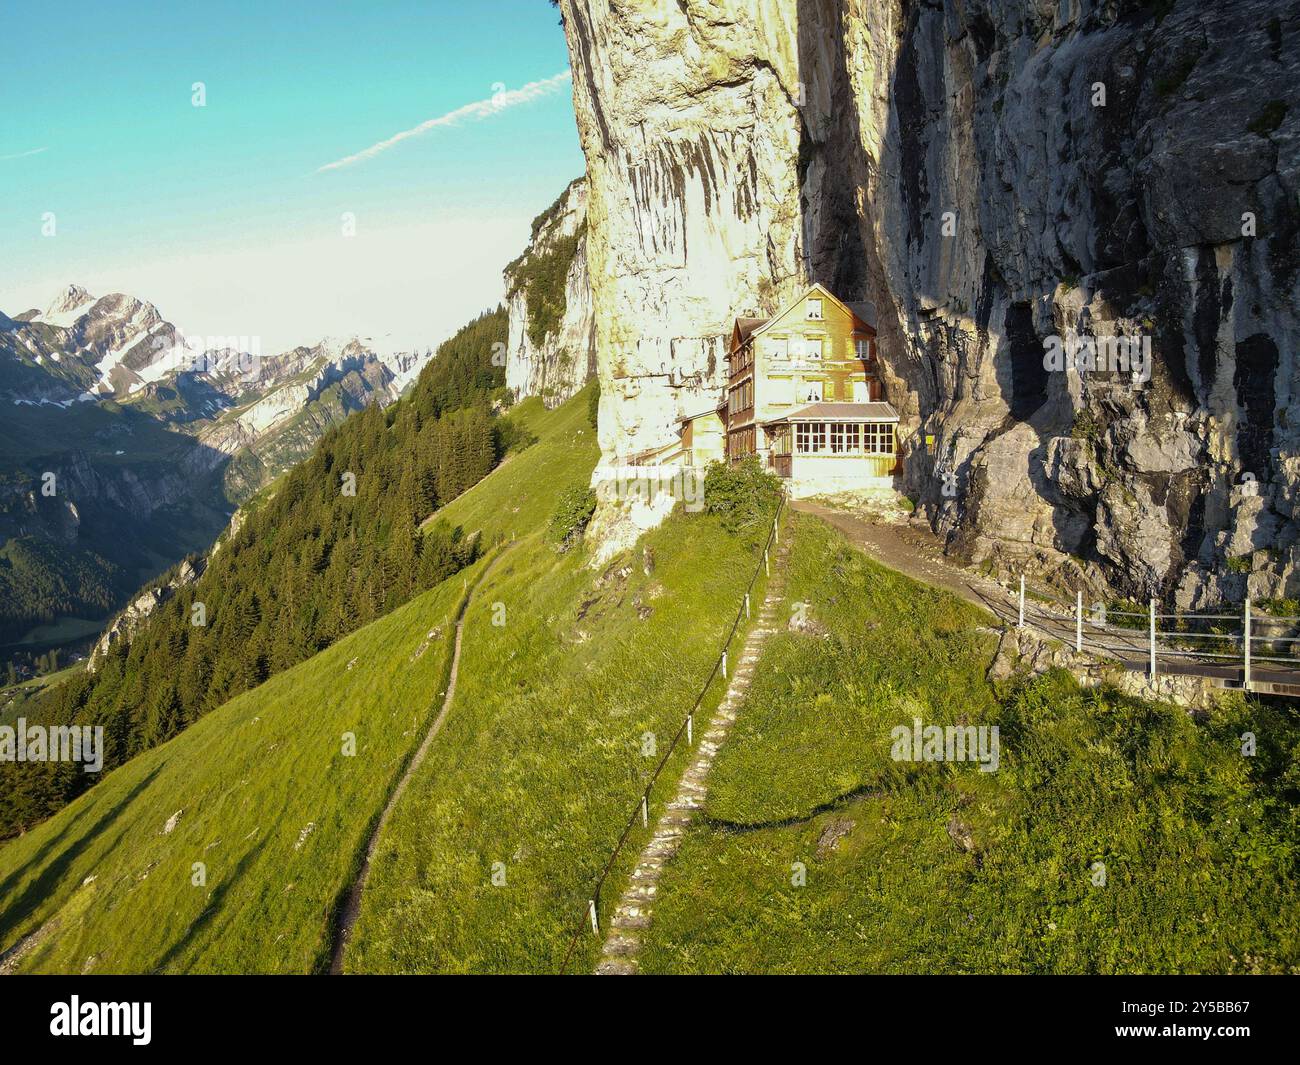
x=44 y=885
x=209 y=911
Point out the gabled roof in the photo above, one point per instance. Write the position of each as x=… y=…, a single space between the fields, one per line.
x=865 y=310
x=839 y=412
x=749 y=327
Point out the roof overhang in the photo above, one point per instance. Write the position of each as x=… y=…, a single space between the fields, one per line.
x=838 y=412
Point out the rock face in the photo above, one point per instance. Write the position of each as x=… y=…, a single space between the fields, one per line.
x=990 y=174
x=149 y=600
x=551 y=350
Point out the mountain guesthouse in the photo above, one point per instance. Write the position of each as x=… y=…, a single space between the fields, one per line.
x=804 y=395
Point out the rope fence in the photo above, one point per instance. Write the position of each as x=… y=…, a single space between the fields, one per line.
x=641 y=811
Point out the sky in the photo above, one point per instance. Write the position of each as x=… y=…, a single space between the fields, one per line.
x=435 y=130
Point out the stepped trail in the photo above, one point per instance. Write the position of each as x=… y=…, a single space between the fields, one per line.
x=635 y=908
x=352 y=908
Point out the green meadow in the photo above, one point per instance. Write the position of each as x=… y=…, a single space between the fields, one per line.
x=268 y=802
x=562 y=712
x=570 y=679
x=1116 y=836
x=226 y=848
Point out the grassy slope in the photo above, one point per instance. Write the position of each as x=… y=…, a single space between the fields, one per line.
x=1200 y=844
x=254 y=786
x=521 y=494
x=540 y=762
x=249 y=778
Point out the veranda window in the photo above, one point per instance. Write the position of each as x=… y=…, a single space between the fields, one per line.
x=880 y=438
x=846 y=438
x=810 y=439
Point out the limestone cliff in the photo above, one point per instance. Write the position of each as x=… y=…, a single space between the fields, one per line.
x=990 y=174
x=551 y=349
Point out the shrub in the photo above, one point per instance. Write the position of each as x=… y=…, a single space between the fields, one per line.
x=743 y=495
x=572 y=514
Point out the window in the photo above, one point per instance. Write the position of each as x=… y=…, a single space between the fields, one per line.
x=780 y=391
x=809 y=392
x=880 y=438
x=743 y=358
x=846 y=438
x=741 y=398
x=779 y=347
x=810 y=439
x=815 y=310
x=863 y=348
x=806 y=348
x=740 y=444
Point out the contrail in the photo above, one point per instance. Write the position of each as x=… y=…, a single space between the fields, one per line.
x=480 y=109
x=23 y=155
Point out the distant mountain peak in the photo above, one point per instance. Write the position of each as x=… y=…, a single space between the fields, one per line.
x=69 y=299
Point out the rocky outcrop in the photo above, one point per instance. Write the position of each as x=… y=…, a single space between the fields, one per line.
x=990 y=174
x=551 y=348
x=125 y=624
x=1023 y=653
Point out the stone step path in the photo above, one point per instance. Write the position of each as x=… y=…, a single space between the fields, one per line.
x=636 y=907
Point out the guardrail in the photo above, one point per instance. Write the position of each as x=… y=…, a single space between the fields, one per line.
x=641 y=812
x=1231 y=642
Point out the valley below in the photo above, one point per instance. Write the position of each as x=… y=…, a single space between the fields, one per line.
x=537 y=650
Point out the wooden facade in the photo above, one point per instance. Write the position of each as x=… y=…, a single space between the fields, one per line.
x=803 y=392
x=703 y=438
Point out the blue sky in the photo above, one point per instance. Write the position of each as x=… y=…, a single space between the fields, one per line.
x=221 y=214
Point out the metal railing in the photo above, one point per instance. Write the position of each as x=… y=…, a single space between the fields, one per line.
x=641 y=812
x=1232 y=642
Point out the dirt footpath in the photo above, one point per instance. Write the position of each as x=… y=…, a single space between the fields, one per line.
x=914 y=552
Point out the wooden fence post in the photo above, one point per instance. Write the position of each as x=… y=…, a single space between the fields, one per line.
x=1078 y=621
x=1246 y=646
x=645 y=811
x=724 y=663
x=595 y=924
x=1153 y=638
x=746 y=605
x=689 y=718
